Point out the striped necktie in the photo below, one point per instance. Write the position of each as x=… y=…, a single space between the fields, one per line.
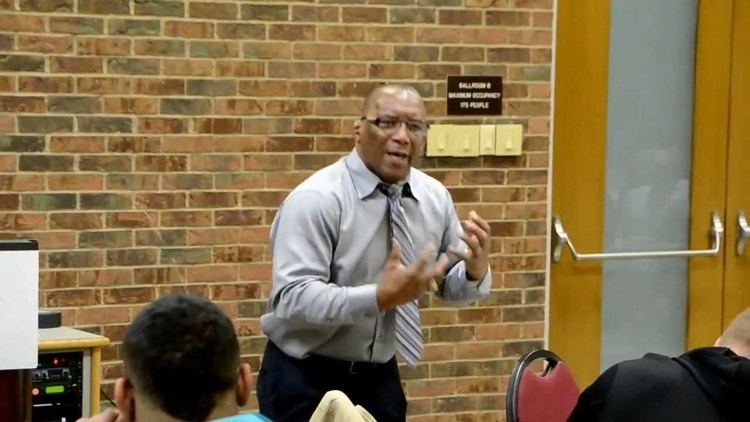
x=409 y=341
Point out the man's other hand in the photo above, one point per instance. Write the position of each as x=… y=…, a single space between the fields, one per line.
x=476 y=235
x=400 y=284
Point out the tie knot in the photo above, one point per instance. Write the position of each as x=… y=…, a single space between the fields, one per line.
x=391 y=191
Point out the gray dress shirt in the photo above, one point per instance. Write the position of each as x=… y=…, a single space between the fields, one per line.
x=330 y=242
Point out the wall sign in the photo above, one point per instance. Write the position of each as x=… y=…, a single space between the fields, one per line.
x=474 y=95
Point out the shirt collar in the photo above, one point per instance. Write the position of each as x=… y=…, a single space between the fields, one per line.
x=366 y=182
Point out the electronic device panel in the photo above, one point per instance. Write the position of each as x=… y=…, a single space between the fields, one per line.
x=59 y=386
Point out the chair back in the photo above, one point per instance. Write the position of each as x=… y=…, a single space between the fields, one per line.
x=546 y=397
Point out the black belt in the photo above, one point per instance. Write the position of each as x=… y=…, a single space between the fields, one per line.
x=327 y=364
x=348 y=366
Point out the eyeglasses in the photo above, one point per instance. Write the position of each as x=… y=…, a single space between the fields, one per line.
x=388 y=124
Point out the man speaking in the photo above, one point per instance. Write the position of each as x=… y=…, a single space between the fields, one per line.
x=354 y=248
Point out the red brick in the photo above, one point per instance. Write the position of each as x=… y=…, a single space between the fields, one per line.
x=56 y=44
x=130 y=105
x=215 y=163
x=367 y=52
x=49 y=84
x=188 y=67
x=159 y=86
x=389 y=34
x=315 y=13
x=241 y=31
x=459 y=17
x=132 y=219
x=213 y=10
x=484 y=35
x=292 y=70
x=256 y=271
x=438 y=35
x=341 y=33
x=55 y=240
x=240 y=68
x=162 y=125
x=102 y=315
x=128 y=295
x=57 y=279
x=364 y=14
x=186 y=218
x=239 y=144
x=236 y=291
x=74 y=182
x=76 y=259
x=106 y=277
x=292 y=32
x=161 y=200
x=317 y=51
x=21 y=23
x=212 y=273
x=240 y=106
x=76 y=65
x=476 y=385
x=23 y=222
x=80 y=297
x=392 y=71
x=264 y=88
x=430 y=388
x=8 y=163
x=99 y=85
x=160 y=275
x=133 y=144
x=189 y=29
x=85 y=144
x=7 y=124
x=104 y=46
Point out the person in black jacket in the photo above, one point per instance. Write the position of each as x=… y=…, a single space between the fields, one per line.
x=705 y=384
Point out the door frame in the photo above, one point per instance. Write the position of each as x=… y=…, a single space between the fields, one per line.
x=578 y=174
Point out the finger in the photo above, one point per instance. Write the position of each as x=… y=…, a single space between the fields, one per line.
x=463 y=254
x=424 y=258
x=438 y=271
x=394 y=257
x=473 y=228
x=473 y=243
x=473 y=216
x=433 y=285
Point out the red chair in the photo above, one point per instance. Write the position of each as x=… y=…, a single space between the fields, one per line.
x=546 y=397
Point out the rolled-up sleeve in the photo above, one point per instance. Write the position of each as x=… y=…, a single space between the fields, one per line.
x=303 y=239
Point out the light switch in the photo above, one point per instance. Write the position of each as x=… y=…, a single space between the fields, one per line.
x=487 y=140
x=437 y=141
x=508 y=139
x=464 y=141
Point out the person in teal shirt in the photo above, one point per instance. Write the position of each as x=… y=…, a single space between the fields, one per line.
x=182 y=362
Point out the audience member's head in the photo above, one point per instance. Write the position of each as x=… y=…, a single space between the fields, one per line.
x=181 y=358
x=737 y=335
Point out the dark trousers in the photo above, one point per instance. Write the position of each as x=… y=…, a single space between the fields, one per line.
x=290 y=389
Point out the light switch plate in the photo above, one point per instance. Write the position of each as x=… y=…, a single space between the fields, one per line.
x=464 y=141
x=508 y=139
x=487 y=140
x=437 y=141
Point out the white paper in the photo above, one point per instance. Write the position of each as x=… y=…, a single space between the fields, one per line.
x=19 y=308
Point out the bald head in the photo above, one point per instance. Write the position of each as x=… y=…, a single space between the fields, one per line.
x=372 y=101
x=737 y=335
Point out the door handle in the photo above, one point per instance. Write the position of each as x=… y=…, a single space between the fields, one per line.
x=743 y=232
x=561 y=239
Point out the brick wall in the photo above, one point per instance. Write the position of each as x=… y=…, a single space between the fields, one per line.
x=147 y=143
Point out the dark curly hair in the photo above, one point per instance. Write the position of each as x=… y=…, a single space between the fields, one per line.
x=182 y=353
